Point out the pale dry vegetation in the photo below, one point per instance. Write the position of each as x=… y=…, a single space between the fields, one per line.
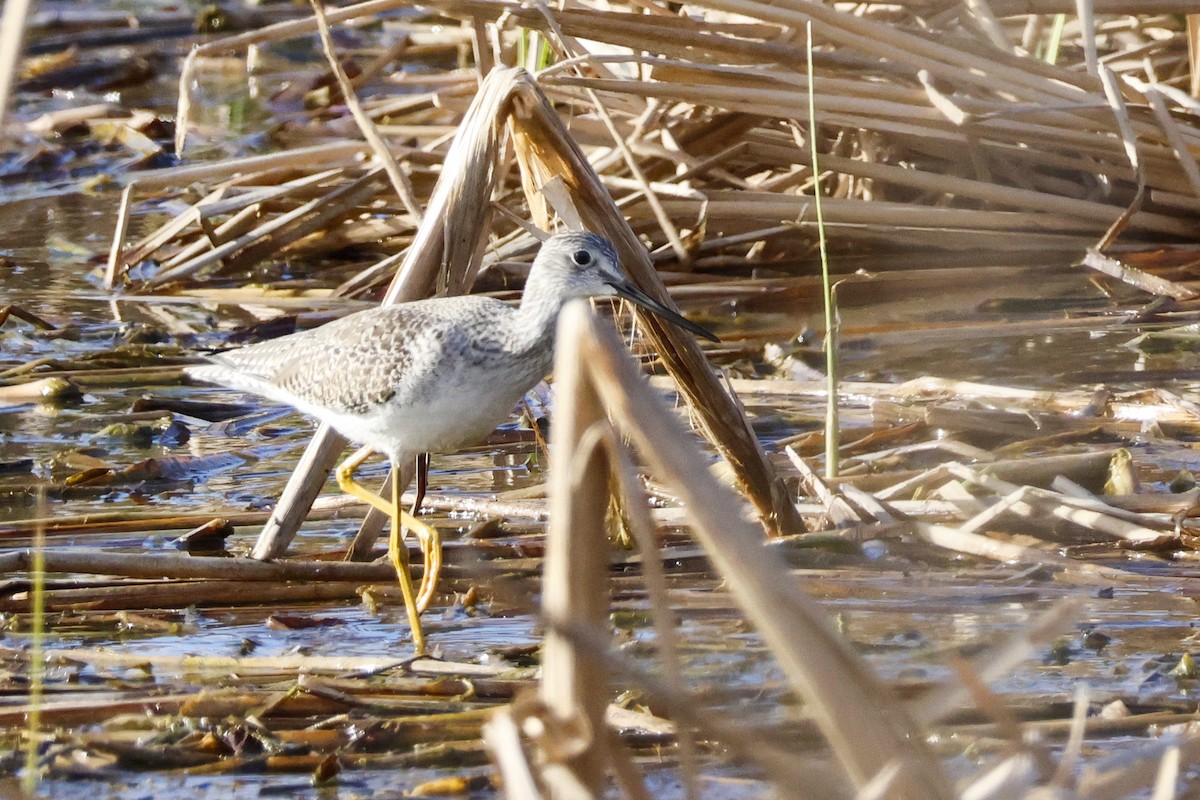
x=432 y=157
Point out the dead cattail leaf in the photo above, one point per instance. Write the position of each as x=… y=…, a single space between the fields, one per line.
x=861 y=722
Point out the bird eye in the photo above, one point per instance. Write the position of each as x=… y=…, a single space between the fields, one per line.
x=581 y=257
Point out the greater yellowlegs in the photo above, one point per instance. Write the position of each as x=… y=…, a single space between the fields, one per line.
x=428 y=376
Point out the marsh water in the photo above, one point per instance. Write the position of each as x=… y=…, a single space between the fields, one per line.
x=1042 y=324
x=904 y=616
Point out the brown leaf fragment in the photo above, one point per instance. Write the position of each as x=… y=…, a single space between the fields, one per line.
x=456 y=786
x=327 y=770
x=208 y=538
x=293 y=622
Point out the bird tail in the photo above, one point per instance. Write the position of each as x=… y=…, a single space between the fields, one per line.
x=232 y=378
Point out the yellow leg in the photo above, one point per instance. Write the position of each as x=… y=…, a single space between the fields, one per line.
x=396 y=550
x=345 y=480
x=431 y=547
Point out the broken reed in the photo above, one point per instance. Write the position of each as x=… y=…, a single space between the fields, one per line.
x=864 y=725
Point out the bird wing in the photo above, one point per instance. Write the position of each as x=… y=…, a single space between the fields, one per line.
x=346 y=365
x=354 y=363
x=359 y=361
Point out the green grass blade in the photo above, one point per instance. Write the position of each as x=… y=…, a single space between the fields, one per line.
x=831 y=405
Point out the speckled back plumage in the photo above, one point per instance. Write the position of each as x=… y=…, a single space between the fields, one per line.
x=427 y=375
x=361 y=360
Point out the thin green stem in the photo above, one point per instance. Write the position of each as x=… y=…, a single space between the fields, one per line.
x=1053 y=44
x=831 y=364
x=37 y=578
x=545 y=54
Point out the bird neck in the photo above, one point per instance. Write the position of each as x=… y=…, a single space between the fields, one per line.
x=537 y=316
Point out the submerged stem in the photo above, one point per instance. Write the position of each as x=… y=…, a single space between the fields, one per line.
x=37 y=602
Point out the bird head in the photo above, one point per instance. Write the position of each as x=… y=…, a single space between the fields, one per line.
x=587 y=266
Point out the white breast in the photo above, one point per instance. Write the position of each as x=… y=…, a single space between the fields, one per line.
x=455 y=418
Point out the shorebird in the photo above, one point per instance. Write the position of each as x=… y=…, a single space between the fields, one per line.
x=428 y=376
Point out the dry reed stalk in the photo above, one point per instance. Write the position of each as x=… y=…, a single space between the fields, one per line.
x=997 y=549
x=1131 y=773
x=115 y=523
x=502 y=736
x=470 y=174
x=1089 y=471
x=117 y=376
x=1089 y=468
x=837 y=510
x=463 y=724
x=217 y=204
x=328 y=156
x=1000 y=660
x=1112 y=92
x=1012 y=8
x=989 y=192
x=332 y=507
x=1069 y=763
x=235 y=228
x=999 y=423
x=400 y=181
x=12 y=35
x=271 y=33
x=863 y=725
x=636 y=507
x=1187 y=160
x=724 y=206
x=543 y=142
x=277 y=232
x=778 y=761
x=120 y=256
x=37 y=391
x=176 y=594
x=119 y=230
x=1038 y=504
x=1126 y=407
x=171 y=565
x=429 y=686
x=184 y=664
x=1152 y=284
x=574 y=687
x=86 y=712
x=1193 y=42
x=1051 y=113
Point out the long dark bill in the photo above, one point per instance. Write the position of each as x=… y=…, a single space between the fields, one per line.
x=638 y=297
